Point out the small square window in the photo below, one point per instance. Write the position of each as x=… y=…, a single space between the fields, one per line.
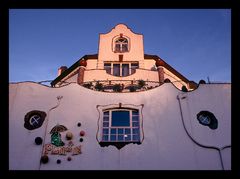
x=120 y=131
x=105 y=118
x=113 y=137
x=105 y=131
x=135 y=137
x=127 y=137
x=105 y=124
x=135 y=112
x=136 y=131
x=120 y=137
x=135 y=118
x=135 y=124
x=127 y=131
x=106 y=113
x=105 y=137
x=113 y=131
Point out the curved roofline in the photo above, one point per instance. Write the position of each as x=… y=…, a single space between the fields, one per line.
x=170 y=68
x=73 y=67
x=120 y=24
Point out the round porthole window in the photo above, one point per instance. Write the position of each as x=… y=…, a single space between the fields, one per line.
x=207 y=118
x=34 y=119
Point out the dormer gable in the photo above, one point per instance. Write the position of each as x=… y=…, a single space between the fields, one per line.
x=121 y=43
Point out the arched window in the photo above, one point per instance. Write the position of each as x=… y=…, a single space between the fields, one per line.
x=121 y=45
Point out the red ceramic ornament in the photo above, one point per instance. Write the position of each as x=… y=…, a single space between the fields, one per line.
x=82 y=133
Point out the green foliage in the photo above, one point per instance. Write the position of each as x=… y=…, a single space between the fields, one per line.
x=99 y=86
x=141 y=83
x=88 y=85
x=117 y=88
x=132 y=89
x=184 y=89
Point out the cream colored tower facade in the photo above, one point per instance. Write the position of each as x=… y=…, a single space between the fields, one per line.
x=121 y=60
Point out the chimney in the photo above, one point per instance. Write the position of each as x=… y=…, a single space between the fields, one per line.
x=61 y=70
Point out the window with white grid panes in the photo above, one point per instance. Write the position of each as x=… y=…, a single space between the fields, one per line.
x=121 y=125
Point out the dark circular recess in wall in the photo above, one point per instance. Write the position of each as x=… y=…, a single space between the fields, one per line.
x=207 y=118
x=202 y=82
x=69 y=158
x=184 y=89
x=34 y=119
x=79 y=124
x=38 y=140
x=59 y=161
x=81 y=139
x=167 y=80
x=44 y=159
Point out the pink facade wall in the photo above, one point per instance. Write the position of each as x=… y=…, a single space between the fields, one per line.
x=106 y=43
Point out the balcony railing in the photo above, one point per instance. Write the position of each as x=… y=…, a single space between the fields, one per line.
x=121 y=85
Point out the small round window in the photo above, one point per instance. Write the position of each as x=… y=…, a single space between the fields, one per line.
x=34 y=119
x=207 y=118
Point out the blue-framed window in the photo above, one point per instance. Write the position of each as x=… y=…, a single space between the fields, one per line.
x=121 y=125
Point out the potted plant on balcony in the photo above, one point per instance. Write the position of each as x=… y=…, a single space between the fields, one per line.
x=117 y=88
x=132 y=88
x=99 y=86
x=88 y=85
x=141 y=83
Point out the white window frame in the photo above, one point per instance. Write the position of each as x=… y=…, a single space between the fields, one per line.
x=121 y=63
x=121 y=45
x=131 y=127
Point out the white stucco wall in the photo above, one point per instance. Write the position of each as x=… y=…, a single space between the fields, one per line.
x=166 y=145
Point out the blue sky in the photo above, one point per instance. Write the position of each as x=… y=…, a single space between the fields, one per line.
x=196 y=42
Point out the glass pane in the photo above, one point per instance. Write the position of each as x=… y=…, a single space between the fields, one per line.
x=116 y=69
x=120 y=118
x=204 y=119
x=117 y=47
x=135 y=124
x=113 y=138
x=120 y=131
x=106 y=113
x=105 y=118
x=124 y=47
x=127 y=137
x=135 y=112
x=105 y=124
x=134 y=66
x=135 y=118
x=105 y=131
x=113 y=131
x=120 y=137
x=105 y=137
x=127 y=131
x=136 y=131
x=125 y=69
x=107 y=67
x=136 y=137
